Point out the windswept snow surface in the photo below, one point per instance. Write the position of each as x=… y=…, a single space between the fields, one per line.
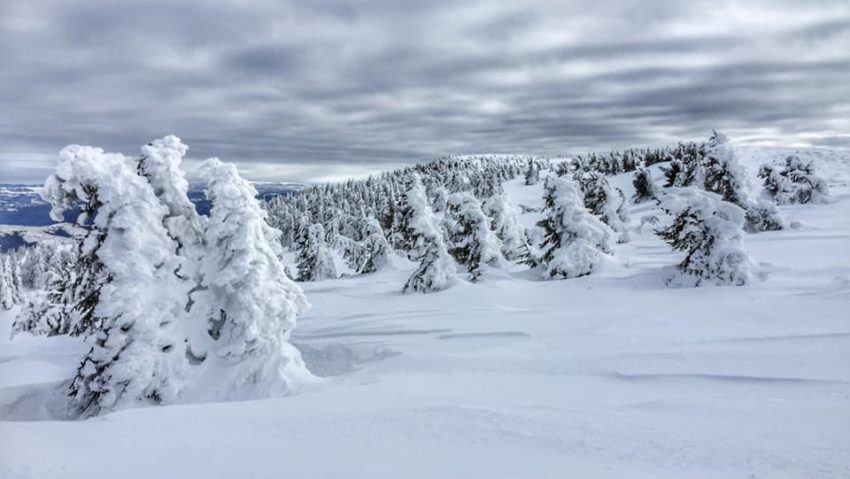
x=612 y=375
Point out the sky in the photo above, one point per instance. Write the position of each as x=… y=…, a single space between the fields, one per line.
x=321 y=90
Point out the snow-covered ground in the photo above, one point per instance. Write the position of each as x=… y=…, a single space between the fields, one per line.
x=608 y=376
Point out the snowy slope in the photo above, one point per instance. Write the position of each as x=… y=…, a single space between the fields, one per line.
x=607 y=376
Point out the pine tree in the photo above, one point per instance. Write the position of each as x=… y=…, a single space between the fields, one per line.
x=7 y=284
x=644 y=187
x=249 y=303
x=436 y=269
x=532 y=174
x=315 y=262
x=710 y=233
x=472 y=243
x=574 y=240
x=132 y=358
x=505 y=223
x=796 y=183
x=376 y=248
x=49 y=311
x=723 y=175
x=606 y=203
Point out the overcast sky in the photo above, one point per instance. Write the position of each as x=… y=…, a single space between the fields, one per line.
x=324 y=89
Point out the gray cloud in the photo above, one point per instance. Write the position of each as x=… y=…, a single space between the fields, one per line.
x=313 y=90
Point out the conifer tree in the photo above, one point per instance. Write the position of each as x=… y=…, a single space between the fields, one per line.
x=532 y=174
x=574 y=240
x=249 y=302
x=426 y=244
x=132 y=357
x=606 y=203
x=314 y=257
x=710 y=233
x=796 y=183
x=644 y=187
x=49 y=311
x=472 y=243
x=505 y=223
x=377 y=249
x=723 y=175
x=7 y=284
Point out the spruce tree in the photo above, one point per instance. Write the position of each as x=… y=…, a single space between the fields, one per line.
x=132 y=358
x=314 y=258
x=426 y=244
x=532 y=173
x=7 y=284
x=376 y=248
x=796 y=183
x=471 y=241
x=249 y=303
x=574 y=240
x=49 y=311
x=607 y=203
x=644 y=187
x=505 y=223
x=723 y=175
x=709 y=231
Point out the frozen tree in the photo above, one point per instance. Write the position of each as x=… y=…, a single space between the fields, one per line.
x=607 y=203
x=132 y=307
x=574 y=240
x=472 y=242
x=314 y=258
x=436 y=267
x=407 y=233
x=796 y=183
x=376 y=248
x=8 y=295
x=249 y=304
x=674 y=174
x=723 y=174
x=762 y=215
x=160 y=165
x=49 y=311
x=505 y=223
x=710 y=233
x=532 y=174
x=644 y=187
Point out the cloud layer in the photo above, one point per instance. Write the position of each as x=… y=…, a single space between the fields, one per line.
x=325 y=89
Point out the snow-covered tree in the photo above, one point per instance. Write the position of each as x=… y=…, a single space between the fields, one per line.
x=376 y=248
x=793 y=184
x=505 y=223
x=472 y=242
x=133 y=358
x=709 y=231
x=50 y=311
x=532 y=173
x=644 y=187
x=436 y=269
x=414 y=205
x=8 y=293
x=314 y=258
x=607 y=203
x=160 y=165
x=574 y=240
x=762 y=215
x=249 y=303
x=723 y=174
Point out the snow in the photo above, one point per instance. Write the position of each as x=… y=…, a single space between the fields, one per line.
x=611 y=375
